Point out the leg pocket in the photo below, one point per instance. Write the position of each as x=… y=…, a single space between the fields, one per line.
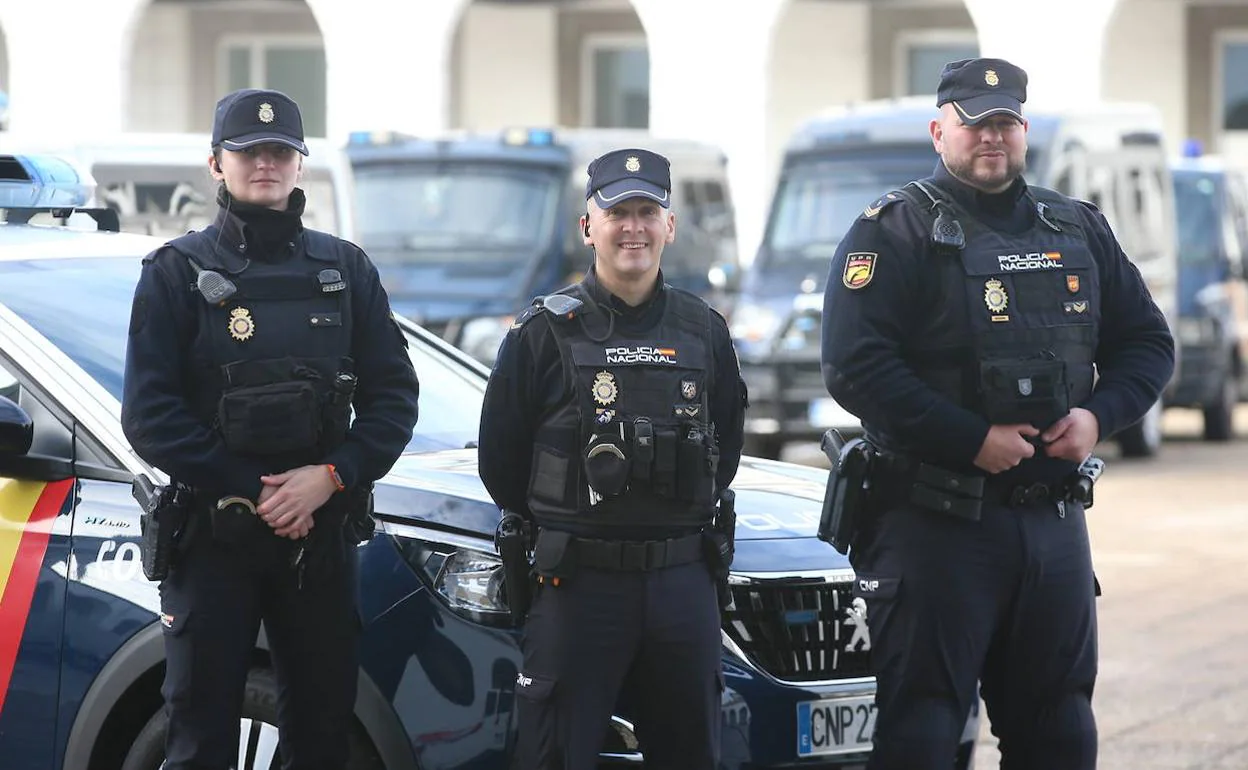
x=538 y=746
x=870 y=615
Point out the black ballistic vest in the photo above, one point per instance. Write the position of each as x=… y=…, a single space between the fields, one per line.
x=1031 y=305
x=632 y=444
x=271 y=364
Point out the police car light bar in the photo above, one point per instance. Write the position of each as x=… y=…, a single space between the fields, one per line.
x=43 y=181
x=531 y=137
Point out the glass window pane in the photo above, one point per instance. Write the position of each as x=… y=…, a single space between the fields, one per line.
x=238 y=68
x=300 y=74
x=924 y=62
x=622 y=88
x=1235 y=86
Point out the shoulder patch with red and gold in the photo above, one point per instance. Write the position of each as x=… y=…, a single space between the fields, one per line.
x=881 y=203
x=859 y=269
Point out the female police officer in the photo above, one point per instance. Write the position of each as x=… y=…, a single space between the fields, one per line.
x=613 y=416
x=250 y=343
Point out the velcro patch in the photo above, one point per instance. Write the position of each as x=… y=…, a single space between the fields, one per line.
x=859 y=269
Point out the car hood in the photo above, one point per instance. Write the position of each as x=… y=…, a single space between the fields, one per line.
x=775 y=500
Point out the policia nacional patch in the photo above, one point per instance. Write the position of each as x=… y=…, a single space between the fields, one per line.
x=859 y=269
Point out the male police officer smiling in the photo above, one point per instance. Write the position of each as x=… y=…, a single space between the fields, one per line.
x=963 y=319
x=612 y=420
x=250 y=345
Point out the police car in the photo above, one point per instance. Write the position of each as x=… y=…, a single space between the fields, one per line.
x=81 y=650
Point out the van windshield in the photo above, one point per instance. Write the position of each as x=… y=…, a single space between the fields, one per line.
x=1197 y=211
x=168 y=200
x=819 y=198
x=427 y=213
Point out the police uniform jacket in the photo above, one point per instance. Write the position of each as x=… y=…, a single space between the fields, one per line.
x=529 y=385
x=170 y=354
x=890 y=297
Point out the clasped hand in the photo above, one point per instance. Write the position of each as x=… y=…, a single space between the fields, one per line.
x=288 y=500
x=1073 y=438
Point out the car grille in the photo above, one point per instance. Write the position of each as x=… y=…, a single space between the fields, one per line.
x=798 y=630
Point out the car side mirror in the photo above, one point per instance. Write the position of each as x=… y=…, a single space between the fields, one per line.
x=17 y=430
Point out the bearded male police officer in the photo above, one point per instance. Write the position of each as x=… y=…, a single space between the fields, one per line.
x=972 y=370
x=250 y=344
x=612 y=419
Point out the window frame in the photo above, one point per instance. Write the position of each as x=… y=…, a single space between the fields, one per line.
x=908 y=40
x=590 y=45
x=256 y=46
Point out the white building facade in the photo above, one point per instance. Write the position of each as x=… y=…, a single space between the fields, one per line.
x=740 y=74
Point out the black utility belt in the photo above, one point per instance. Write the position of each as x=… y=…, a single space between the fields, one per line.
x=559 y=554
x=934 y=488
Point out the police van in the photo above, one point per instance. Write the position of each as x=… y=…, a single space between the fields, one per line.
x=159 y=183
x=467 y=228
x=1211 y=199
x=840 y=161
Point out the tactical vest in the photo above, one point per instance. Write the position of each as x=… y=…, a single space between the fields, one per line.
x=271 y=364
x=1030 y=301
x=632 y=444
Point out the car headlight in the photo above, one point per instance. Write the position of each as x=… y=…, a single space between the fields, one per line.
x=482 y=336
x=459 y=569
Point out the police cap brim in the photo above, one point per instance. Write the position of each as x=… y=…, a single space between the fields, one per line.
x=975 y=110
x=615 y=193
x=263 y=137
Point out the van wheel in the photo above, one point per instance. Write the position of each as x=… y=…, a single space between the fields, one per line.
x=1220 y=417
x=1143 y=439
x=259 y=730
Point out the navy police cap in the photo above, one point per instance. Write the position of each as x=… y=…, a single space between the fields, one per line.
x=980 y=88
x=632 y=173
x=255 y=116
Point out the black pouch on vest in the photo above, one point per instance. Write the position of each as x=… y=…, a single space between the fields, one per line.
x=270 y=419
x=1030 y=390
x=607 y=465
x=664 y=477
x=643 y=449
x=694 y=480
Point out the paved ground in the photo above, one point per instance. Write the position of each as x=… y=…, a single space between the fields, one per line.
x=1170 y=543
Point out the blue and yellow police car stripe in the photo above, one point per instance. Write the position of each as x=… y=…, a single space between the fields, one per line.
x=27 y=510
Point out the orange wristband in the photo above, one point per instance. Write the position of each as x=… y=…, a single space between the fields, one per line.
x=333 y=474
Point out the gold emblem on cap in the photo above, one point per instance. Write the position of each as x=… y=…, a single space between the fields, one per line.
x=241 y=324
x=604 y=389
x=632 y=164
x=266 y=114
x=990 y=77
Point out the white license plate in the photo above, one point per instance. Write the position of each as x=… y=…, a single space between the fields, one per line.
x=837 y=726
x=826 y=413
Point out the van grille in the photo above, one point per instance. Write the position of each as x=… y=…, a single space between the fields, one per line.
x=798 y=630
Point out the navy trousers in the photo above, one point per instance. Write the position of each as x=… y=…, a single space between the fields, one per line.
x=1006 y=601
x=212 y=605
x=598 y=632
